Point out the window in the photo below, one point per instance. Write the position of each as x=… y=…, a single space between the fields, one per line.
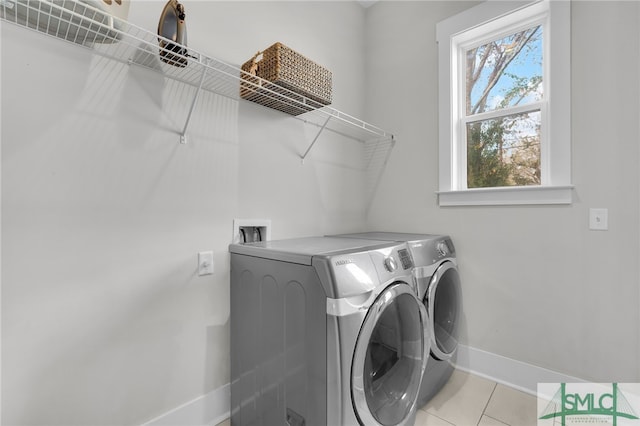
x=505 y=134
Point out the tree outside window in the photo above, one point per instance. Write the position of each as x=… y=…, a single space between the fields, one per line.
x=502 y=118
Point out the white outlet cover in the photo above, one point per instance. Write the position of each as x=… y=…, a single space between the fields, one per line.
x=205 y=263
x=599 y=219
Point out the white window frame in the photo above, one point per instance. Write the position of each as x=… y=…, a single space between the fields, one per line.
x=482 y=22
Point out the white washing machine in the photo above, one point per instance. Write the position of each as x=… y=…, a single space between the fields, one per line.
x=438 y=286
x=325 y=331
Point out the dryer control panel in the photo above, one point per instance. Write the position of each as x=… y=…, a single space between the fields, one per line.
x=429 y=252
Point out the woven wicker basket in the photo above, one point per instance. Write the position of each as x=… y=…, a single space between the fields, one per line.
x=283 y=67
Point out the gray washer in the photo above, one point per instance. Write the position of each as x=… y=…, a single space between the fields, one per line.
x=438 y=285
x=325 y=331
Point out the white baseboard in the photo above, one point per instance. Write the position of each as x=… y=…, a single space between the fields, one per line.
x=206 y=410
x=214 y=407
x=510 y=372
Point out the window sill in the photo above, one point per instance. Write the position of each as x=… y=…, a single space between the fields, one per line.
x=505 y=196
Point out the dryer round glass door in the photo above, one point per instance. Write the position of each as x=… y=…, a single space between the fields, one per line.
x=390 y=356
x=443 y=306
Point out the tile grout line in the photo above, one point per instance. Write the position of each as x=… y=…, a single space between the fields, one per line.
x=497 y=420
x=438 y=417
x=495 y=385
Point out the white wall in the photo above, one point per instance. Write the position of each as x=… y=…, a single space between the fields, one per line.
x=539 y=287
x=104 y=319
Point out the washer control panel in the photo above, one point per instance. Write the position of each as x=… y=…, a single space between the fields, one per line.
x=405 y=259
x=390 y=264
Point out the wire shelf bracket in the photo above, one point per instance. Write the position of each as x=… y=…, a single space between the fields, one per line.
x=315 y=139
x=183 y=135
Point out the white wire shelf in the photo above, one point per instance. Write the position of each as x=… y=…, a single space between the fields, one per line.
x=117 y=39
x=80 y=23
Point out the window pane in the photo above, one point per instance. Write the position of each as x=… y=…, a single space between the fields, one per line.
x=505 y=72
x=504 y=151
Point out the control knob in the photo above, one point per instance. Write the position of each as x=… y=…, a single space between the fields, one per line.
x=390 y=264
x=442 y=248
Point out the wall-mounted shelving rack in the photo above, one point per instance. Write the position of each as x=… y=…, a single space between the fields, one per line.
x=84 y=25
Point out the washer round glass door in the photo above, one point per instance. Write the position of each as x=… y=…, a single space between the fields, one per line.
x=389 y=359
x=443 y=307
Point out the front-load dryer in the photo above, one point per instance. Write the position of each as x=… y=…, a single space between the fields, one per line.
x=325 y=331
x=437 y=284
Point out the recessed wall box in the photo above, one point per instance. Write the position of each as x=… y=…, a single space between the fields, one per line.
x=251 y=230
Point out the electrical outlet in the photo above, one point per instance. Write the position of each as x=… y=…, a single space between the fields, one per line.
x=599 y=219
x=205 y=263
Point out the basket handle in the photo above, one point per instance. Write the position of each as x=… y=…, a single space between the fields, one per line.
x=253 y=70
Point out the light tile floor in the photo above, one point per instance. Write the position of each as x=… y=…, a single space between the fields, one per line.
x=470 y=400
